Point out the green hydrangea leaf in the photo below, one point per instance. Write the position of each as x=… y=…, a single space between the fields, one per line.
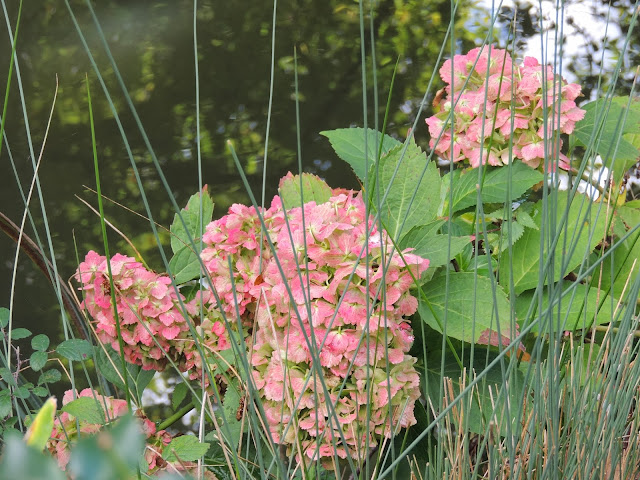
x=348 y=144
x=495 y=188
x=610 y=126
x=313 y=189
x=583 y=230
x=191 y=216
x=413 y=188
x=87 y=409
x=179 y=394
x=472 y=312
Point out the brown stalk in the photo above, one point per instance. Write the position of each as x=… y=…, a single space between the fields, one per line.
x=31 y=249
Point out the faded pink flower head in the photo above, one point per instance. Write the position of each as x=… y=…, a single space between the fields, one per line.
x=65 y=426
x=327 y=309
x=146 y=305
x=154 y=327
x=329 y=306
x=499 y=110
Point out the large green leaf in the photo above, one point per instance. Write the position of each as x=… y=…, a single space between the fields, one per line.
x=191 y=216
x=606 y=124
x=483 y=397
x=619 y=267
x=413 y=198
x=313 y=189
x=495 y=188
x=570 y=313
x=578 y=238
x=184 y=265
x=471 y=314
x=438 y=248
x=348 y=144
x=109 y=365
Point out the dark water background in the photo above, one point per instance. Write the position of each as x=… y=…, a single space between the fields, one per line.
x=152 y=43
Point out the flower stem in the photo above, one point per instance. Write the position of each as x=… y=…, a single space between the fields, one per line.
x=176 y=416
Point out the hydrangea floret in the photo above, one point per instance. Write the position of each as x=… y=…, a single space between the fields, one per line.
x=507 y=110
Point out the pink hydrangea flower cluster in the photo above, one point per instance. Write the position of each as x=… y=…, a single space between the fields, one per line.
x=501 y=102
x=335 y=291
x=236 y=238
x=65 y=433
x=146 y=305
x=358 y=331
x=65 y=429
x=152 y=324
x=213 y=337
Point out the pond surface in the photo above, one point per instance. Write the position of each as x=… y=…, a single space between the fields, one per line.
x=152 y=44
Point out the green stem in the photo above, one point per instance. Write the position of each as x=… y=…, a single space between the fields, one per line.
x=176 y=416
x=587 y=178
x=605 y=328
x=106 y=248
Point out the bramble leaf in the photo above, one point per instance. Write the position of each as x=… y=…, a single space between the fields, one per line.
x=75 y=349
x=38 y=360
x=40 y=342
x=20 y=333
x=185 y=448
